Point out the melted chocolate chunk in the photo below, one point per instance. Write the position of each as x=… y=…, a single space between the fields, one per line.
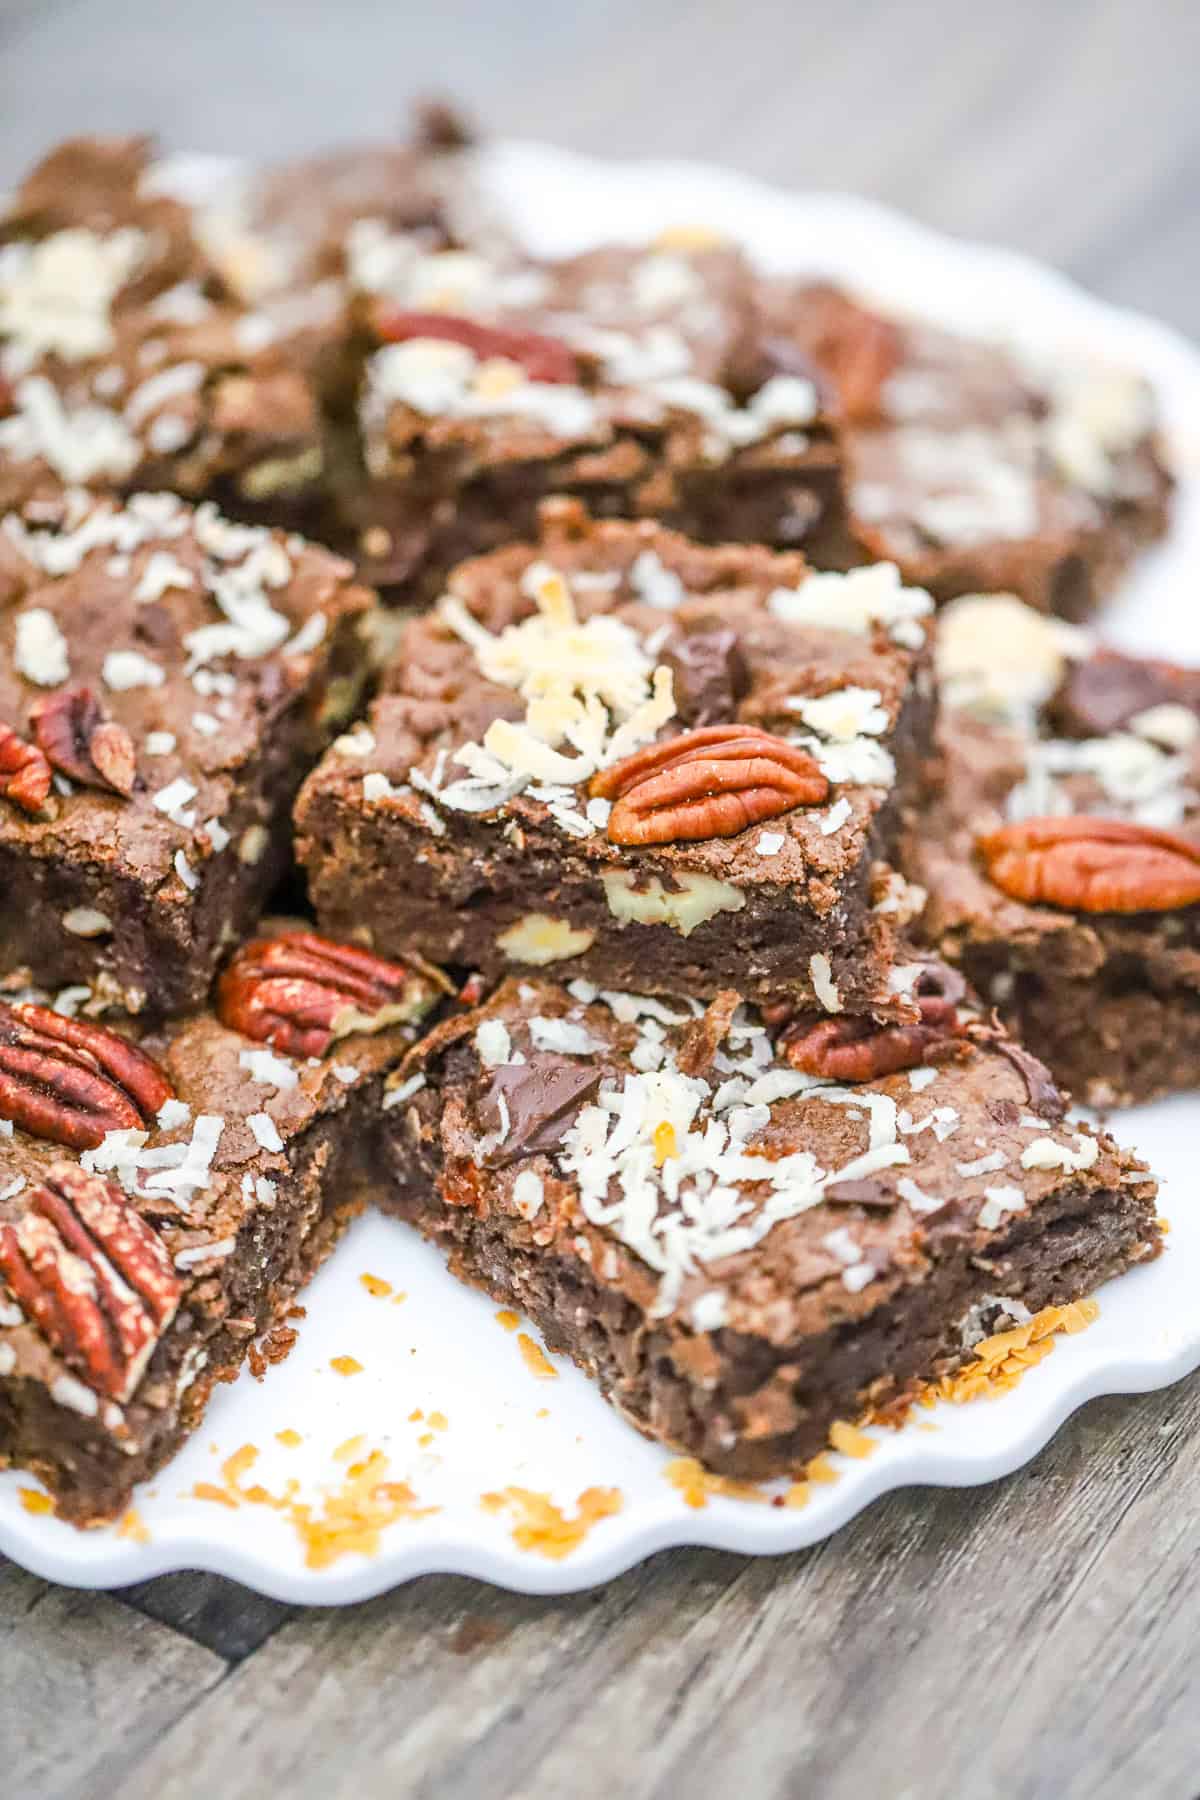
x=1045 y=1097
x=710 y=677
x=860 y=1193
x=542 y=1100
x=1105 y=692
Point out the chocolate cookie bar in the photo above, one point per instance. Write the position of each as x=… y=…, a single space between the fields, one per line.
x=1062 y=859
x=166 y=679
x=654 y=764
x=974 y=468
x=165 y=1195
x=129 y=362
x=633 y=379
x=281 y=232
x=747 y=1236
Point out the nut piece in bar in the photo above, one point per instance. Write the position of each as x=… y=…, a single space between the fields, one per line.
x=166 y=680
x=662 y=766
x=1062 y=858
x=139 y=1263
x=739 y=1251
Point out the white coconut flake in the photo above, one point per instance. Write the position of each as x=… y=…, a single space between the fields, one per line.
x=1044 y=1153
x=842 y=1245
x=983 y=1165
x=125 y=669
x=918 y=1199
x=185 y=872
x=310 y=635
x=654 y=584
x=273 y=1071
x=821 y=975
x=835 y=818
x=376 y=786
x=403 y=1091
x=997 y=1201
x=40 y=649
x=843 y=715
x=265 y=1131
x=196 y=1254
x=173 y=799
x=65 y=1391
x=493 y=1045
x=770 y=843
x=710 y=1311
x=873 y=595
x=359 y=741
x=527 y=1193
x=564 y=1037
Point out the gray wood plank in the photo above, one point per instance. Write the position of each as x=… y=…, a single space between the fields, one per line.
x=220 y=1614
x=1010 y=1640
x=85 y=1687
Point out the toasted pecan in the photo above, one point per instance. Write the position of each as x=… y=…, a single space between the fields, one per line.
x=1093 y=865
x=709 y=783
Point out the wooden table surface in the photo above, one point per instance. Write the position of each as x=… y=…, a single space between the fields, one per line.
x=1035 y=1637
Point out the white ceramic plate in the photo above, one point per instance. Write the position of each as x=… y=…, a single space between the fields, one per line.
x=442 y=1350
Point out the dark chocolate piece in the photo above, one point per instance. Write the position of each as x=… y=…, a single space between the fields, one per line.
x=542 y=1100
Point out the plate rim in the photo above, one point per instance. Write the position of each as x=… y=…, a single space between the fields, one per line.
x=64 y=1557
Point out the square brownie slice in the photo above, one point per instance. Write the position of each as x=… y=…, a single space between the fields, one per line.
x=631 y=378
x=128 y=360
x=975 y=468
x=740 y=1251
x=165 y=1194
x=284 y=231
x=658 y=765
x=1062 y=858
x=166 y=679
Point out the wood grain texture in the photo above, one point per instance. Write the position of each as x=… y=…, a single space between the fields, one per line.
x=1030 y=1639
x=86 y=1686
x=1020 y=1639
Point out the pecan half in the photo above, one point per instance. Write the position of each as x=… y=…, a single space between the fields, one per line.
x=69 y=1081
x=706 y=784
x=863 y=1050
x=299 y=992
x=24 y=772
x=94 y=1278
x=542 y=358
x=78 y=738
x=1092 y=865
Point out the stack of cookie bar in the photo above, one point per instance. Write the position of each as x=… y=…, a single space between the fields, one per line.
x=562 y=851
